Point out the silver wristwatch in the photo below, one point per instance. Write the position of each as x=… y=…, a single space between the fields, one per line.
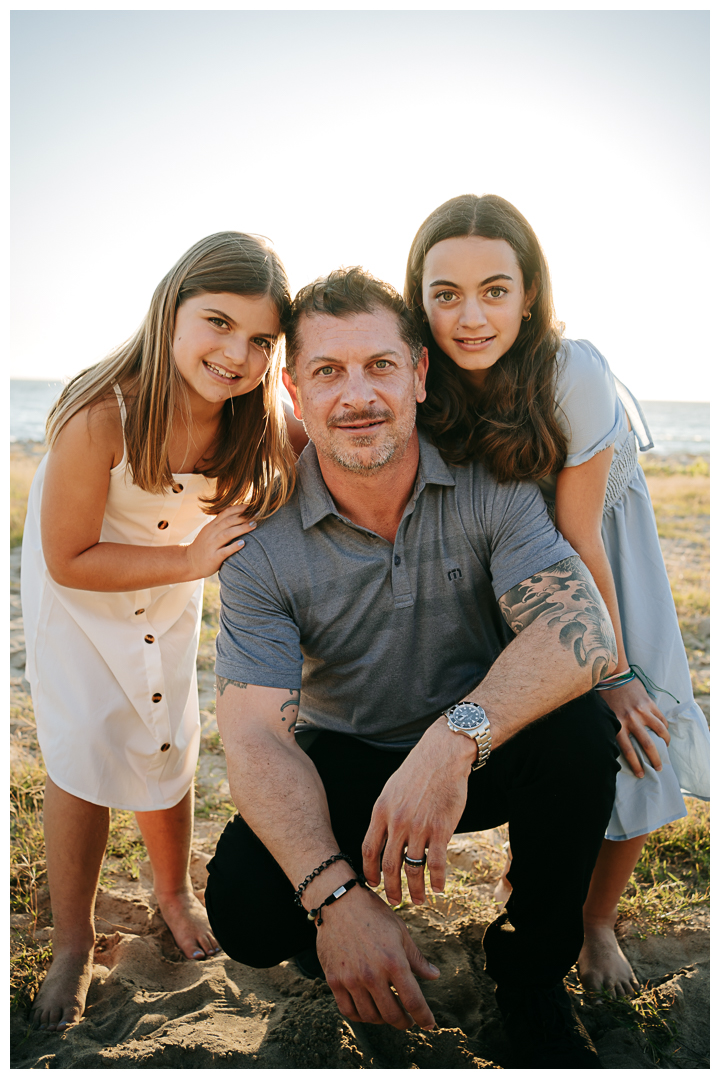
x=470 y=719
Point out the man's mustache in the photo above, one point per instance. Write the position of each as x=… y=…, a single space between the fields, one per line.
x=354 y=417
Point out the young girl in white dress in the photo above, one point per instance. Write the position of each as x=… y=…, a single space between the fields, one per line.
x=505 y=386
x=152 y=452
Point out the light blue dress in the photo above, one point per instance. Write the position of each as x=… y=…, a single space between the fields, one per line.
x=593 y=409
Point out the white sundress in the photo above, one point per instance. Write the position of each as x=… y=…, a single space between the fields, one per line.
x=591 y=407
x=113 y=674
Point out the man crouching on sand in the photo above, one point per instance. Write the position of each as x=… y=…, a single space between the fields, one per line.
x=372 y=700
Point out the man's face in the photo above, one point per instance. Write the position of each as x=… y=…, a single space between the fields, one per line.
x=356 y=388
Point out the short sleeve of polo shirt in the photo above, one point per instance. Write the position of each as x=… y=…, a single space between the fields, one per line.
x=521 y=538
x=259 y=641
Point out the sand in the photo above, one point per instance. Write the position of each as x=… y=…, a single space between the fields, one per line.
x=149 y=1007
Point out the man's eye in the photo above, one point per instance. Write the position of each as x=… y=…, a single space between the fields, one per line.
x=382 y=363
x=326 y=371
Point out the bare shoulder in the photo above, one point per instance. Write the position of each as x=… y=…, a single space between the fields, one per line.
x=95 y=429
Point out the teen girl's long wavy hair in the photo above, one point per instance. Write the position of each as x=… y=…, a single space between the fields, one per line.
x=512 y=427
x=251 y=457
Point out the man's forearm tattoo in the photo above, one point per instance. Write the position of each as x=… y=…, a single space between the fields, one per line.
x=292 y=701
x=567 y=594
x=221 y=683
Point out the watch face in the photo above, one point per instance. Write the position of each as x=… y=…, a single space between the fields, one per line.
x=467 y=716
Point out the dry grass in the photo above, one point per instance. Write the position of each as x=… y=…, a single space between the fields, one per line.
x=23 y=466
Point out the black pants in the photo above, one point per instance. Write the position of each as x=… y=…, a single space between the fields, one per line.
x=554 y=783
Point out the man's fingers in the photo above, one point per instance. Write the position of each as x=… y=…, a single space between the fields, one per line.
x=392 y=862
x=412 y=1000
x=436 y=862
x=372 y=850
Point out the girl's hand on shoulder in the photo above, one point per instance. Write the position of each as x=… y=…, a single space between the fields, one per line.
x=638 y=714
x=217 y=540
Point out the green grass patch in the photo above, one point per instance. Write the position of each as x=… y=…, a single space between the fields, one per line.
x=673 y=873
x=653 y=465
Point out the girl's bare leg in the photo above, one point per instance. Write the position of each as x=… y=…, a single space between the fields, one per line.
x=602 y=965
x=76 y=833
x=167 y=835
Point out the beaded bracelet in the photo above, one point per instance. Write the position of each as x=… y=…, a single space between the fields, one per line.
x=318 y=870
x=314 y=913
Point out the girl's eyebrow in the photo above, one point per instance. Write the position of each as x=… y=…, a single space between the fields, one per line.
x=222 y=314
x=216 y=311
x=493 y=277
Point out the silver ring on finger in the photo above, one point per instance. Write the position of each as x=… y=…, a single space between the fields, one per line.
x=415 y=862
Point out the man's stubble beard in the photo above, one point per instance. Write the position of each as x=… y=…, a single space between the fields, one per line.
x=348 y=458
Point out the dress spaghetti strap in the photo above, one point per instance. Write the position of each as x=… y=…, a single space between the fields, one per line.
x=123 y=417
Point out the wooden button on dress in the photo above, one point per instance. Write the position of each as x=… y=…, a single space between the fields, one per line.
x=165 y=746
x=140 y=610
x=162 y=524
x=149 y=638
x=177 y=488
x=157 y=697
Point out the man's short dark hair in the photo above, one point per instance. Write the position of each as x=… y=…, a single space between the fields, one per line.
x=348 y=291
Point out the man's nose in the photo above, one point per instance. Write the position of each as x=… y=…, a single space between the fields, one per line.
x=358 y=390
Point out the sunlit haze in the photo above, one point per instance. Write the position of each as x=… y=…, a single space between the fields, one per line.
x=335 y=134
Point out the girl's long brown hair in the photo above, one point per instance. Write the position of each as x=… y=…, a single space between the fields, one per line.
x=512 y=428
x=251 y=457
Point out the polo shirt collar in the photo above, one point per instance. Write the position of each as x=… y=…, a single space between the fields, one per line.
x=316 y=501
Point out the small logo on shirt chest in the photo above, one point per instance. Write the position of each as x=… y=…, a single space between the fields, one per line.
x=454 y=574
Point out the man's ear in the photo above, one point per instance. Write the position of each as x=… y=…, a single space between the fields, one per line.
x=420 y=376
x=292 y=391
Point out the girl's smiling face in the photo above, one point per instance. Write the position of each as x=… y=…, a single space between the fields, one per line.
x=474 y=298
x=223 y=344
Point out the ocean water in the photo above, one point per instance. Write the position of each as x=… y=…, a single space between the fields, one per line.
x=678 y=427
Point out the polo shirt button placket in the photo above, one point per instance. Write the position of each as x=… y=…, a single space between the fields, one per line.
x=402 y=593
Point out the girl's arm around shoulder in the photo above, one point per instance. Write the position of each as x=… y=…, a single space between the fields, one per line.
x=75 y=492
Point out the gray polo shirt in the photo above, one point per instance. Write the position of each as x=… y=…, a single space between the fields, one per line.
x=382 y=637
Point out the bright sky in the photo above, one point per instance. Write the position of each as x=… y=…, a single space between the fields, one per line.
x=335 y=134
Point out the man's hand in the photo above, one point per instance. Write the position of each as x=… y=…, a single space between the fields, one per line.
x=418 y=810
x=365 y=950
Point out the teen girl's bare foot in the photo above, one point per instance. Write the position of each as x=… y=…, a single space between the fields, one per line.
x=602 y=965
x=60 y=1000
x=188 y=923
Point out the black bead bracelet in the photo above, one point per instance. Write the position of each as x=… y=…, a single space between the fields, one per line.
x=314 y=913
x=318 y=870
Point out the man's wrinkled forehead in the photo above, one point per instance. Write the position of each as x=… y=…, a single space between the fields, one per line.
x=357 y=336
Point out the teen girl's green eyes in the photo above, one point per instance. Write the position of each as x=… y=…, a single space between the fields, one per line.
x=495 y=292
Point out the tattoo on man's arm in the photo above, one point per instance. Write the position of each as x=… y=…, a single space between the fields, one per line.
x=567 y=594
x=221 y=684
x=292 y=701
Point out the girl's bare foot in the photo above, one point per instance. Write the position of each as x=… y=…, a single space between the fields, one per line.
x=602 y=965
x=188 y=923
x=60 y=1000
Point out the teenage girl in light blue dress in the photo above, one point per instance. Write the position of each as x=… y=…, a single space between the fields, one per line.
x=505 y=385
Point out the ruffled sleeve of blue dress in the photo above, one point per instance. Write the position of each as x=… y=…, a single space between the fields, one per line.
x=595 y=410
